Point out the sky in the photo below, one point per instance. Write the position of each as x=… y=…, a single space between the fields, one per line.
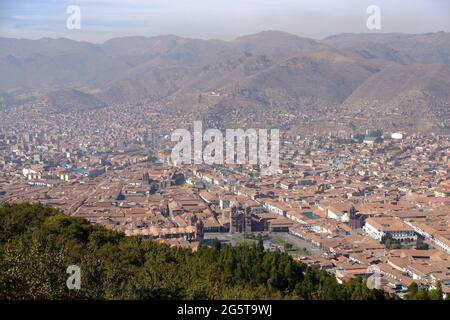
x=216 y=19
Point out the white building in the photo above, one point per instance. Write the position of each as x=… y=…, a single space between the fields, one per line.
x=377 y=228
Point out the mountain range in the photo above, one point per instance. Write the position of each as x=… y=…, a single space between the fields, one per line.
x=391 y=79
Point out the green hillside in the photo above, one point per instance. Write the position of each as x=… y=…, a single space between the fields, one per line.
x=38 y=243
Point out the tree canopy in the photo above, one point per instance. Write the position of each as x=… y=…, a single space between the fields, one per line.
x=38 y=243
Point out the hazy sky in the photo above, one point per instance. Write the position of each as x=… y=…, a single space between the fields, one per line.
x=219 y=19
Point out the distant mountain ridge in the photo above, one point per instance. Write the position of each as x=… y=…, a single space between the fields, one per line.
x=273 y=70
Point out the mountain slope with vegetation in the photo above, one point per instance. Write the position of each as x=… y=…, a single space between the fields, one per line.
x=37 y=244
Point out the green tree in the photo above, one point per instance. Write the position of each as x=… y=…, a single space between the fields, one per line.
x=38 y=243
x=437 y=293
x=412 y=290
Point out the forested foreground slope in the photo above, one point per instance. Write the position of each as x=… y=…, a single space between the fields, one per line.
x=37 y=244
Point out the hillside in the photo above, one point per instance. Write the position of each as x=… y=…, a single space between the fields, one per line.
x=412 y=96
x=430 y=48
x=270 y=72
x=37 y=244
